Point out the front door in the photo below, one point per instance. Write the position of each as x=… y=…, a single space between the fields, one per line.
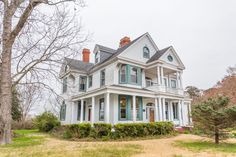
x=151 y=114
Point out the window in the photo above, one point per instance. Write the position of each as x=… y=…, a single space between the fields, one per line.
x=101 y=109
x=170 y=58
x=82 y=83
x=123 y=73
x=102 y=79
x=79 y=110
x=63 y=111
x=165 y=82
x=134 y=75
x=173 y=84
x=175 y=110
x=64 y=87
x=146 y=53
x=123 y=107
x=90 y=80
x=96 y=57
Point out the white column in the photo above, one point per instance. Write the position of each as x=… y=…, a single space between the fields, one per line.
x=107 y=116
x=134 y=108
x=156 y=110
x=93 y=109
x=164 y=109
x=180 y=113
x=82 y=110
x=162 y=76
x=160 y=109
x=72 y=112
x=171 y=112
x=158 y=75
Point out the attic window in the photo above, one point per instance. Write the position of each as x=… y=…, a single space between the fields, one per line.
x=170 y=58
x=96 y=57
x=146 y=53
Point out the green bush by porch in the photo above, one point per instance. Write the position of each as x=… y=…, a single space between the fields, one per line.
x=104 y=131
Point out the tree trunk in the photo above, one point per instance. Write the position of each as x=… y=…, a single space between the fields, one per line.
x=5 y=86
x=217 y=136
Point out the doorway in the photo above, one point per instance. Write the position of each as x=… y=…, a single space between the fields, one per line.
x=150 y=112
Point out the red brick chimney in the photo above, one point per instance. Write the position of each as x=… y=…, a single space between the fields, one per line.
x=86 y=53
x=124 y=41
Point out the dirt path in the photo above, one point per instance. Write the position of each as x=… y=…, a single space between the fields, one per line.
x=165 y=148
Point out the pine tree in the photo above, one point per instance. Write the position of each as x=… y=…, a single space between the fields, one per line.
x=214 y=116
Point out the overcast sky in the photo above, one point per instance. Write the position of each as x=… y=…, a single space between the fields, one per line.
x=203 y=32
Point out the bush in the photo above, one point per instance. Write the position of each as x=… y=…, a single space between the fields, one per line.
x=19 y=125
x=81 y=130
x=143 y=129
x=100 y=130
x=46 y=122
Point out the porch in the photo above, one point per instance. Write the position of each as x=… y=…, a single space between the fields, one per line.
x=118 y=107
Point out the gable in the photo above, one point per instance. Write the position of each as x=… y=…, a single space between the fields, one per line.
x=135 y=51
x=172 y=58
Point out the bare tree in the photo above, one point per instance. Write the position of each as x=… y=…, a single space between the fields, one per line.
x=35 y=36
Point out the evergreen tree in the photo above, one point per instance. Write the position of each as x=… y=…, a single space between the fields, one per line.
x=214 y=116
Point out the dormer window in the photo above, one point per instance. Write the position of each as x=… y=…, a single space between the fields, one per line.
x=97 y=57
x=146 y=52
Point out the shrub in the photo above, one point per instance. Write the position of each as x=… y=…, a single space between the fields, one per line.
x=46 y=122
x=81 y=130
x=100 y=130
x=143 y=129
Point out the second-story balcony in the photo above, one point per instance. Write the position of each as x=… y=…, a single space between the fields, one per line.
x=161 y=79
x=154 y=86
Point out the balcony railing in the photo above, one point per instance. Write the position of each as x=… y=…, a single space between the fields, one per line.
x=162 y=88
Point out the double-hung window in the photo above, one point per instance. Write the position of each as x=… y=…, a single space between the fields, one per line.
x=82 y=83
x=173 y=84
x=134 y=75
x=101 y=109
x=63 y=111
x=123 y=107
x=90 y=81
x=175 y=110
x=102 y=79
x=123 y=73
x=137 y=109
x=64 y=87
x=79 y=110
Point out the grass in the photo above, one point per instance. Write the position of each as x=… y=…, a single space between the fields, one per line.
x=113 y=151
x=206 y=145
x=28 y=143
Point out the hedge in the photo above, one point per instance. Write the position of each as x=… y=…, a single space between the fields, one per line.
x=143 y=129
x=101 y=130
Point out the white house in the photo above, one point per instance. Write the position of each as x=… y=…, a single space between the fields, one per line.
x=138 y=82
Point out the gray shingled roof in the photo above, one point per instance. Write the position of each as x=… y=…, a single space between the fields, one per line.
x=109 y=54
x=158 y=54
x=78 y=65
x=105 y=49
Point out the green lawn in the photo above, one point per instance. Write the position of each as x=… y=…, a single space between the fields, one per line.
x=28 y=143
x=206 y=145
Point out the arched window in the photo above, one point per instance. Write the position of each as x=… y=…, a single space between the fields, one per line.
x=146 y=52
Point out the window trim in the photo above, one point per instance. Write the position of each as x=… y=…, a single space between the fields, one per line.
x=128 y=75
x=64 y=85
x=175 y=107
x=96 y=58
x=175 y=83
x=85 y=77
x=100 y=101
x=90 y=81
x=63 y=111
x=101 y=84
